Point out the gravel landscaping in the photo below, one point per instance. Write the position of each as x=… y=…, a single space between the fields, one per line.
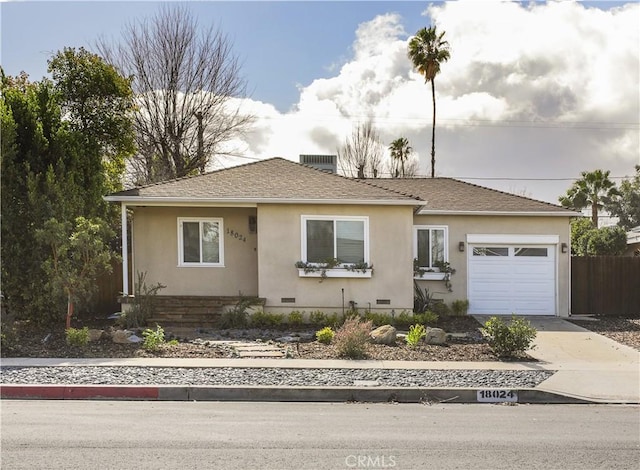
x=237 y=376
x=466 y=344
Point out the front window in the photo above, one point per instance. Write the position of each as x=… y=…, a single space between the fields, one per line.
x=430 y=246
x=200 y=242
x=342 y=238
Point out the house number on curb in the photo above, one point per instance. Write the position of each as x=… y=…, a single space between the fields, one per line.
x=236 y=235
x=497 y=396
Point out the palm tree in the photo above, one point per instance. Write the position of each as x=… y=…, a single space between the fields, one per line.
x=594 y=189
x=400 y=151
x=427 y=50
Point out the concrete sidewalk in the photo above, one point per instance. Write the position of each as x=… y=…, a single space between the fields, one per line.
x=590 y=368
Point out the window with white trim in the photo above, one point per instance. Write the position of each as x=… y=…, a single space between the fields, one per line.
x=430 y=246
x=335 y=237
x=200 y=242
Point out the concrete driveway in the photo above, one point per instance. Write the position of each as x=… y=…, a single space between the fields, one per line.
x=589 y=365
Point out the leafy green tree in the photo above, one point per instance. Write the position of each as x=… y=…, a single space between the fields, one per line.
x=607 y=241
x=627 y=205
x=594 y=189
x=580 y=228
x=98 y=104
x=59 y=157
x=79 y=254
x=400 y=152
x=32 y=141
x=427 y=51
x=589 y=241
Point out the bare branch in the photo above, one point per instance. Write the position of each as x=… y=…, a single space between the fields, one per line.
x=361 y=154
x=184 y=78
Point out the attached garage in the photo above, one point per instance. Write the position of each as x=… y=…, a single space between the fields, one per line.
x=512 y=274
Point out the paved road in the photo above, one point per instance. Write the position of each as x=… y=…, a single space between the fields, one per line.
x=158 y=435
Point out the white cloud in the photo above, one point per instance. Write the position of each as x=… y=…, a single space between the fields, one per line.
x=525 y=94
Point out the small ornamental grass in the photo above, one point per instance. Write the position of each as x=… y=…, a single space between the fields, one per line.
x=77 y=337
x=352 y=337
x=509 y=339
x=416 y=333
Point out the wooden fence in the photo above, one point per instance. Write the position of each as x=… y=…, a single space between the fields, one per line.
x=105 y=300
x=605 y=285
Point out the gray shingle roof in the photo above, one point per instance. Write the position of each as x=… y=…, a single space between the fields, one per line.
x=281 y=180
x=450 y=195
x=273 y=179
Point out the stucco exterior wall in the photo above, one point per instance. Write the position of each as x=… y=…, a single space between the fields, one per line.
x=155 y=251
x=279 y=248
x=460 y=226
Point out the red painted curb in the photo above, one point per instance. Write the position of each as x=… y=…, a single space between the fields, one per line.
x=78 y=392
x=44 y=392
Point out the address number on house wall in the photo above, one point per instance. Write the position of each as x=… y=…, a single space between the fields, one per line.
x=497 y=396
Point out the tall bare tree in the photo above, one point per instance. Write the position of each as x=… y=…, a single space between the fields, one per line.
x=185 y=79
x=427 y=50
x=361 y=154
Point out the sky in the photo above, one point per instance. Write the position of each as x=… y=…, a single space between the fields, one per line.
x=534 y=92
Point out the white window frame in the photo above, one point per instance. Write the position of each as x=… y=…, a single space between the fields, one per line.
x=200 y=220
x=338 y=271
x=434 y=272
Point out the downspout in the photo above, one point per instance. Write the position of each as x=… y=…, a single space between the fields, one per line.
x=125 y=251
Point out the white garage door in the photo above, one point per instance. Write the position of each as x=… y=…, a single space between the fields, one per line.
x=505 y=279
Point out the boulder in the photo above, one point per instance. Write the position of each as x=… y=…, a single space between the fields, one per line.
x=435 y=336
x=95 y=335
x=121 y=336
x=385 y=334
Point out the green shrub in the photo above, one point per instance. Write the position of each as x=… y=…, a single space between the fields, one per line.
x=77 y=337
x=153 y=339
x=426 y=318
x=416 y=333
x=460 y=307
x=8 y=338
x=143 y=303
x=261 y=319
x=379 y=319
x=236 y=317
x=318 y=318
x=334 y=320
x=325 y=335
x=352 y=337
x=294 y=319
x=402 y=320
x=509 y=339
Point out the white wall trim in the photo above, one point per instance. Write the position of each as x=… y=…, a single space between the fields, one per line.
x=513 y=238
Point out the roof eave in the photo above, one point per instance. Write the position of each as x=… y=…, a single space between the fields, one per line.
x=252 y=202
x=500 y=213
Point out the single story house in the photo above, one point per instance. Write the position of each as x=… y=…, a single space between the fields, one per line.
x=268 y=228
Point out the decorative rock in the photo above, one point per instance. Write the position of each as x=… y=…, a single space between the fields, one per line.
x=134 y=339
x=385 y=334
x=95 y=335
x=435 y=336
x=288 y=339
x=121 y=336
